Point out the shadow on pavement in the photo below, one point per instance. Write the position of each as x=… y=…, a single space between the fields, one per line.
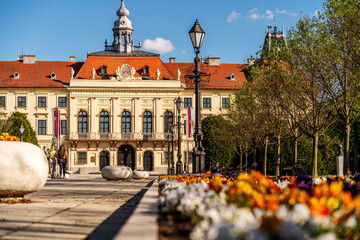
x=112 y=225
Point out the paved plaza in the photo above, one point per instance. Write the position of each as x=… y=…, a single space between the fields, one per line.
x=82 y=207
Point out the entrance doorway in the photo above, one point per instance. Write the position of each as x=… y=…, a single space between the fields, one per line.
x=148 y=161
x=104 y=159
x=126 y=156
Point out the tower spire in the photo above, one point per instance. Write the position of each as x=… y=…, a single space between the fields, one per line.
x=123 y=31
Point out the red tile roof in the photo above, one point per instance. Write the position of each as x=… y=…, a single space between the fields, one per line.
x=112 y=63
x=219 y=78
x=36 y=75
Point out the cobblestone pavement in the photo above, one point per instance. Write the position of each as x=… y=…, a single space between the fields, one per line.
x=82 y=207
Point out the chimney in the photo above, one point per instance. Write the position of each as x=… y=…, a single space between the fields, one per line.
x=29 y=59
x=72 y=59
x=172 y=60
x=214 y=61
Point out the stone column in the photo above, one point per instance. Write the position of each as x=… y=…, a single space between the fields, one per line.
x=73 y=116
x=157 y=118
x=115 y=125
x=93 y=113
x=136 y=120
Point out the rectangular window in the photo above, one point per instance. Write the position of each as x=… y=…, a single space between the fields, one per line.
x=2 y=101
x=41 y=101
x=64 y=127
x=82 y=158
x=62 y=101
x=42 y=127
x=187 y=102
x=21 y=101
x=225 y=102
x=206 y=102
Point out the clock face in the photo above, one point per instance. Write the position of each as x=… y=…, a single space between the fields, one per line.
x=125 y=71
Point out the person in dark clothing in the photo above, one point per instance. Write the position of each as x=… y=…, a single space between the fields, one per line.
x=62 y=157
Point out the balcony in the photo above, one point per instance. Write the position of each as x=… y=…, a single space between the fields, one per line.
x=148 y=136
x=104 y=136
x=83 y=136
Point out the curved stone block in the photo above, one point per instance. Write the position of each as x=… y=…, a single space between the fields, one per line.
x=140 y=175
x=116 y=172
x=23 y=168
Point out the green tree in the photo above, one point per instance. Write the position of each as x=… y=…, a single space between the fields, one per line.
x=12 y=126
x=217 y=141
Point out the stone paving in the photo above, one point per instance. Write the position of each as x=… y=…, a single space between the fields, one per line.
x=82 y=207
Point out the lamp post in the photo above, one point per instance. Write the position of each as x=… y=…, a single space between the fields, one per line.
x=172 y=150
x=197 y=35
x=179 y=165
x=168 y=156
x=22 y=129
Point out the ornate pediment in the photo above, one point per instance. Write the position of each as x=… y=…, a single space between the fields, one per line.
x=125 y=73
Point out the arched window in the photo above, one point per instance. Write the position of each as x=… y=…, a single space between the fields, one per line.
x=104 y=122
x=147 y=122
x=168 y=121
x=83 y=122
x=125 y=122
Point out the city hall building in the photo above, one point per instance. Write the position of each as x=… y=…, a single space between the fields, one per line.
x=116 y=108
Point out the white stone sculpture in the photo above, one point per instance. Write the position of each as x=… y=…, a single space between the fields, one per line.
x=116 y=172
x=157 y=74
x=140 y=175
x=178 y=73
x=23 y=168
x=72 y=72
x=93 y=72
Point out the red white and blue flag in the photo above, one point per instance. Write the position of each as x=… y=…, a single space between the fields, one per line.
x=190 y=122
x=57 y=123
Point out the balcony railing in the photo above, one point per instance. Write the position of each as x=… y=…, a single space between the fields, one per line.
x=148 y=136
x=118 y=136
x=83 y=135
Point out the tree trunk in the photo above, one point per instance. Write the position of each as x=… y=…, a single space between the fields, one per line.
x=241 y=160
x=347 y=149
x=265 y=154
x=356 y=146
x=246 y=160
x=277 y=168
x=315 y=154
x=295 y=145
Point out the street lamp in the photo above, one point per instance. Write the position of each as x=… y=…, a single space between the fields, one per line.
x=179 y=165
x=197 y=35
x=22 y=129
x=172 y=150
x=168 y=156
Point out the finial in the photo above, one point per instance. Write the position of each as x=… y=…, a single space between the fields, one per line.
x=122 y=10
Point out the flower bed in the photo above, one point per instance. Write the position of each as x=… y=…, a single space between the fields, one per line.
x=252 y=206
x=7 y=137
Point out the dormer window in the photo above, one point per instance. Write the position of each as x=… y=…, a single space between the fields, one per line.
x=232 y=77
x=146 y=71
x=103 y=71
x=53 y=75
x=16 y=75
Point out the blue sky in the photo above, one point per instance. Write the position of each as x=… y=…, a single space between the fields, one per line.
x=54 y=30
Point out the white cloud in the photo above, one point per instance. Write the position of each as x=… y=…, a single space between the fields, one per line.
x=233 y=16
x=252 y=10
x=159 y=45
x=253 y=14
x=316 y=13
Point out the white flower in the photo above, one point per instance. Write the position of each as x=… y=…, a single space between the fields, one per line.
x=351 y=222
x=300 y=214
x=327 y=236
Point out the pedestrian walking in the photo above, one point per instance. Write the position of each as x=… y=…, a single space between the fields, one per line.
x=52 y=160
x=62 y=157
